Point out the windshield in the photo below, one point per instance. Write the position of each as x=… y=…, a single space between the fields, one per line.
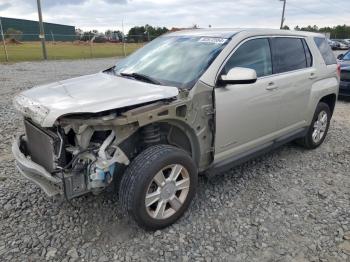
x=172 y=60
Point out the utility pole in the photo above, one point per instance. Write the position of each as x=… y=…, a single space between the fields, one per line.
x=42 y=32
x=147 y=32
x=283 y=12
x=3 y=41
x=123 y=37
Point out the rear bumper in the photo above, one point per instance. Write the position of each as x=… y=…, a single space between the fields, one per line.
x=344 y=88
x=50 y=184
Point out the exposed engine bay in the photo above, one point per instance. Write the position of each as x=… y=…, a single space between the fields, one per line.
x=83 y=168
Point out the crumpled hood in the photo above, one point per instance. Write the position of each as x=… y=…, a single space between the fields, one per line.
x=90 y=94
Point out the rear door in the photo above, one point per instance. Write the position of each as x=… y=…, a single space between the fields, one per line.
x=294 y=76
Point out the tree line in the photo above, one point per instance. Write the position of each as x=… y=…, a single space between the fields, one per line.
x=336 y=32
x=147 y=33
x=136 y=34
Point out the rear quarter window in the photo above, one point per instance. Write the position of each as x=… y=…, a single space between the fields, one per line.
x=325 y=50
x=307 y=54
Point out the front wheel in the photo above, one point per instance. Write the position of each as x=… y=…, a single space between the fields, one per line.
x=319 y=127
x=158 y=186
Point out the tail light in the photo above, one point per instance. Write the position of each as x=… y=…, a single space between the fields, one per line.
x=338 y=70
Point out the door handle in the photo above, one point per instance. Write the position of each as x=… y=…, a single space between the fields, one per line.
x=312 y=76
x=271 y=86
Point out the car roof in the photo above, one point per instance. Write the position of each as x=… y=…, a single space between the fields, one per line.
x=230 y=32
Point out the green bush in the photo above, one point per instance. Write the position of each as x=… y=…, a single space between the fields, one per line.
x=12 y=33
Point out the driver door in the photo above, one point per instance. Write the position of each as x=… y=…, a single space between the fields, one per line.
x=247 y=114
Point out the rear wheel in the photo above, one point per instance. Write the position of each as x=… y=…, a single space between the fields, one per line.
x=319 y=127
x=158 y=186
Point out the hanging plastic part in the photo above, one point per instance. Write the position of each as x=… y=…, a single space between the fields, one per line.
x=100 y=178
x=118 y=155
x=101 y=171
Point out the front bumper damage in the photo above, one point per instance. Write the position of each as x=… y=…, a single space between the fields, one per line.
x=75 y=181
x=51 y=185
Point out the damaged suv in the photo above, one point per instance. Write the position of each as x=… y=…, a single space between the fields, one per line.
x=189 y=102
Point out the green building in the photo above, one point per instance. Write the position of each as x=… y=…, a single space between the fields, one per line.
x=30 y=30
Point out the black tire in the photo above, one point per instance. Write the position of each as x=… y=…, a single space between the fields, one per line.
x=140 y=173
x=307 y=141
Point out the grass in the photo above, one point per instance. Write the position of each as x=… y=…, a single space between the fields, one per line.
x=31 y=51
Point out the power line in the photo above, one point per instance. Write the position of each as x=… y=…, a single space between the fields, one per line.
x=331 y=3
x=302 y=8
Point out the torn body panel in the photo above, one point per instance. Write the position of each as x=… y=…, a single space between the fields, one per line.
x=97 y=145
x=191 y=115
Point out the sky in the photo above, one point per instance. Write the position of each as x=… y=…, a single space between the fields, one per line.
x=109 y=14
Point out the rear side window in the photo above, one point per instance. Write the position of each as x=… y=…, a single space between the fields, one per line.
x=254 y=54
x=289 y=54
x=325 y=50
x=307 y=54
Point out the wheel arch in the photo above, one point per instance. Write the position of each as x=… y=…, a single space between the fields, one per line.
x=175 y=132
x=180 y=133
x=330 y=100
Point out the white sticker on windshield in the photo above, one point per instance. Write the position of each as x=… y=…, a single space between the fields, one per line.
x=212 y=40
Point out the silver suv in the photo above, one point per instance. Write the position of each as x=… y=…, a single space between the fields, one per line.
x=190 y=102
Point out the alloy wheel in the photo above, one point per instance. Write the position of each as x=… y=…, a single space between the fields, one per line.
x=167 y=191
x=320 y=127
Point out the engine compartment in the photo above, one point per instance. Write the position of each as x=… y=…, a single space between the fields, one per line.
x=82 y=168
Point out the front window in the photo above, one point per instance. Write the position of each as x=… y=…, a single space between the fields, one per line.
x=254 y=54
x=173 y=60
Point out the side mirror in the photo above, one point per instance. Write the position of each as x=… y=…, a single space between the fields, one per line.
x=340 y=57
x=239 y=75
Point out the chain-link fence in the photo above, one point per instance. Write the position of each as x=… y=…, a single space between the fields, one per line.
x=17 y=47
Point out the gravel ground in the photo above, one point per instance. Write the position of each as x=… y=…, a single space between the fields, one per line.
x=290 y=205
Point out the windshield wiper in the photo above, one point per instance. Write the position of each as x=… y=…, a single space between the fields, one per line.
x=142 y=77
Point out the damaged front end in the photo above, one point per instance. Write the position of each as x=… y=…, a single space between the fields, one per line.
x=85 y=152
x=68 y=160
